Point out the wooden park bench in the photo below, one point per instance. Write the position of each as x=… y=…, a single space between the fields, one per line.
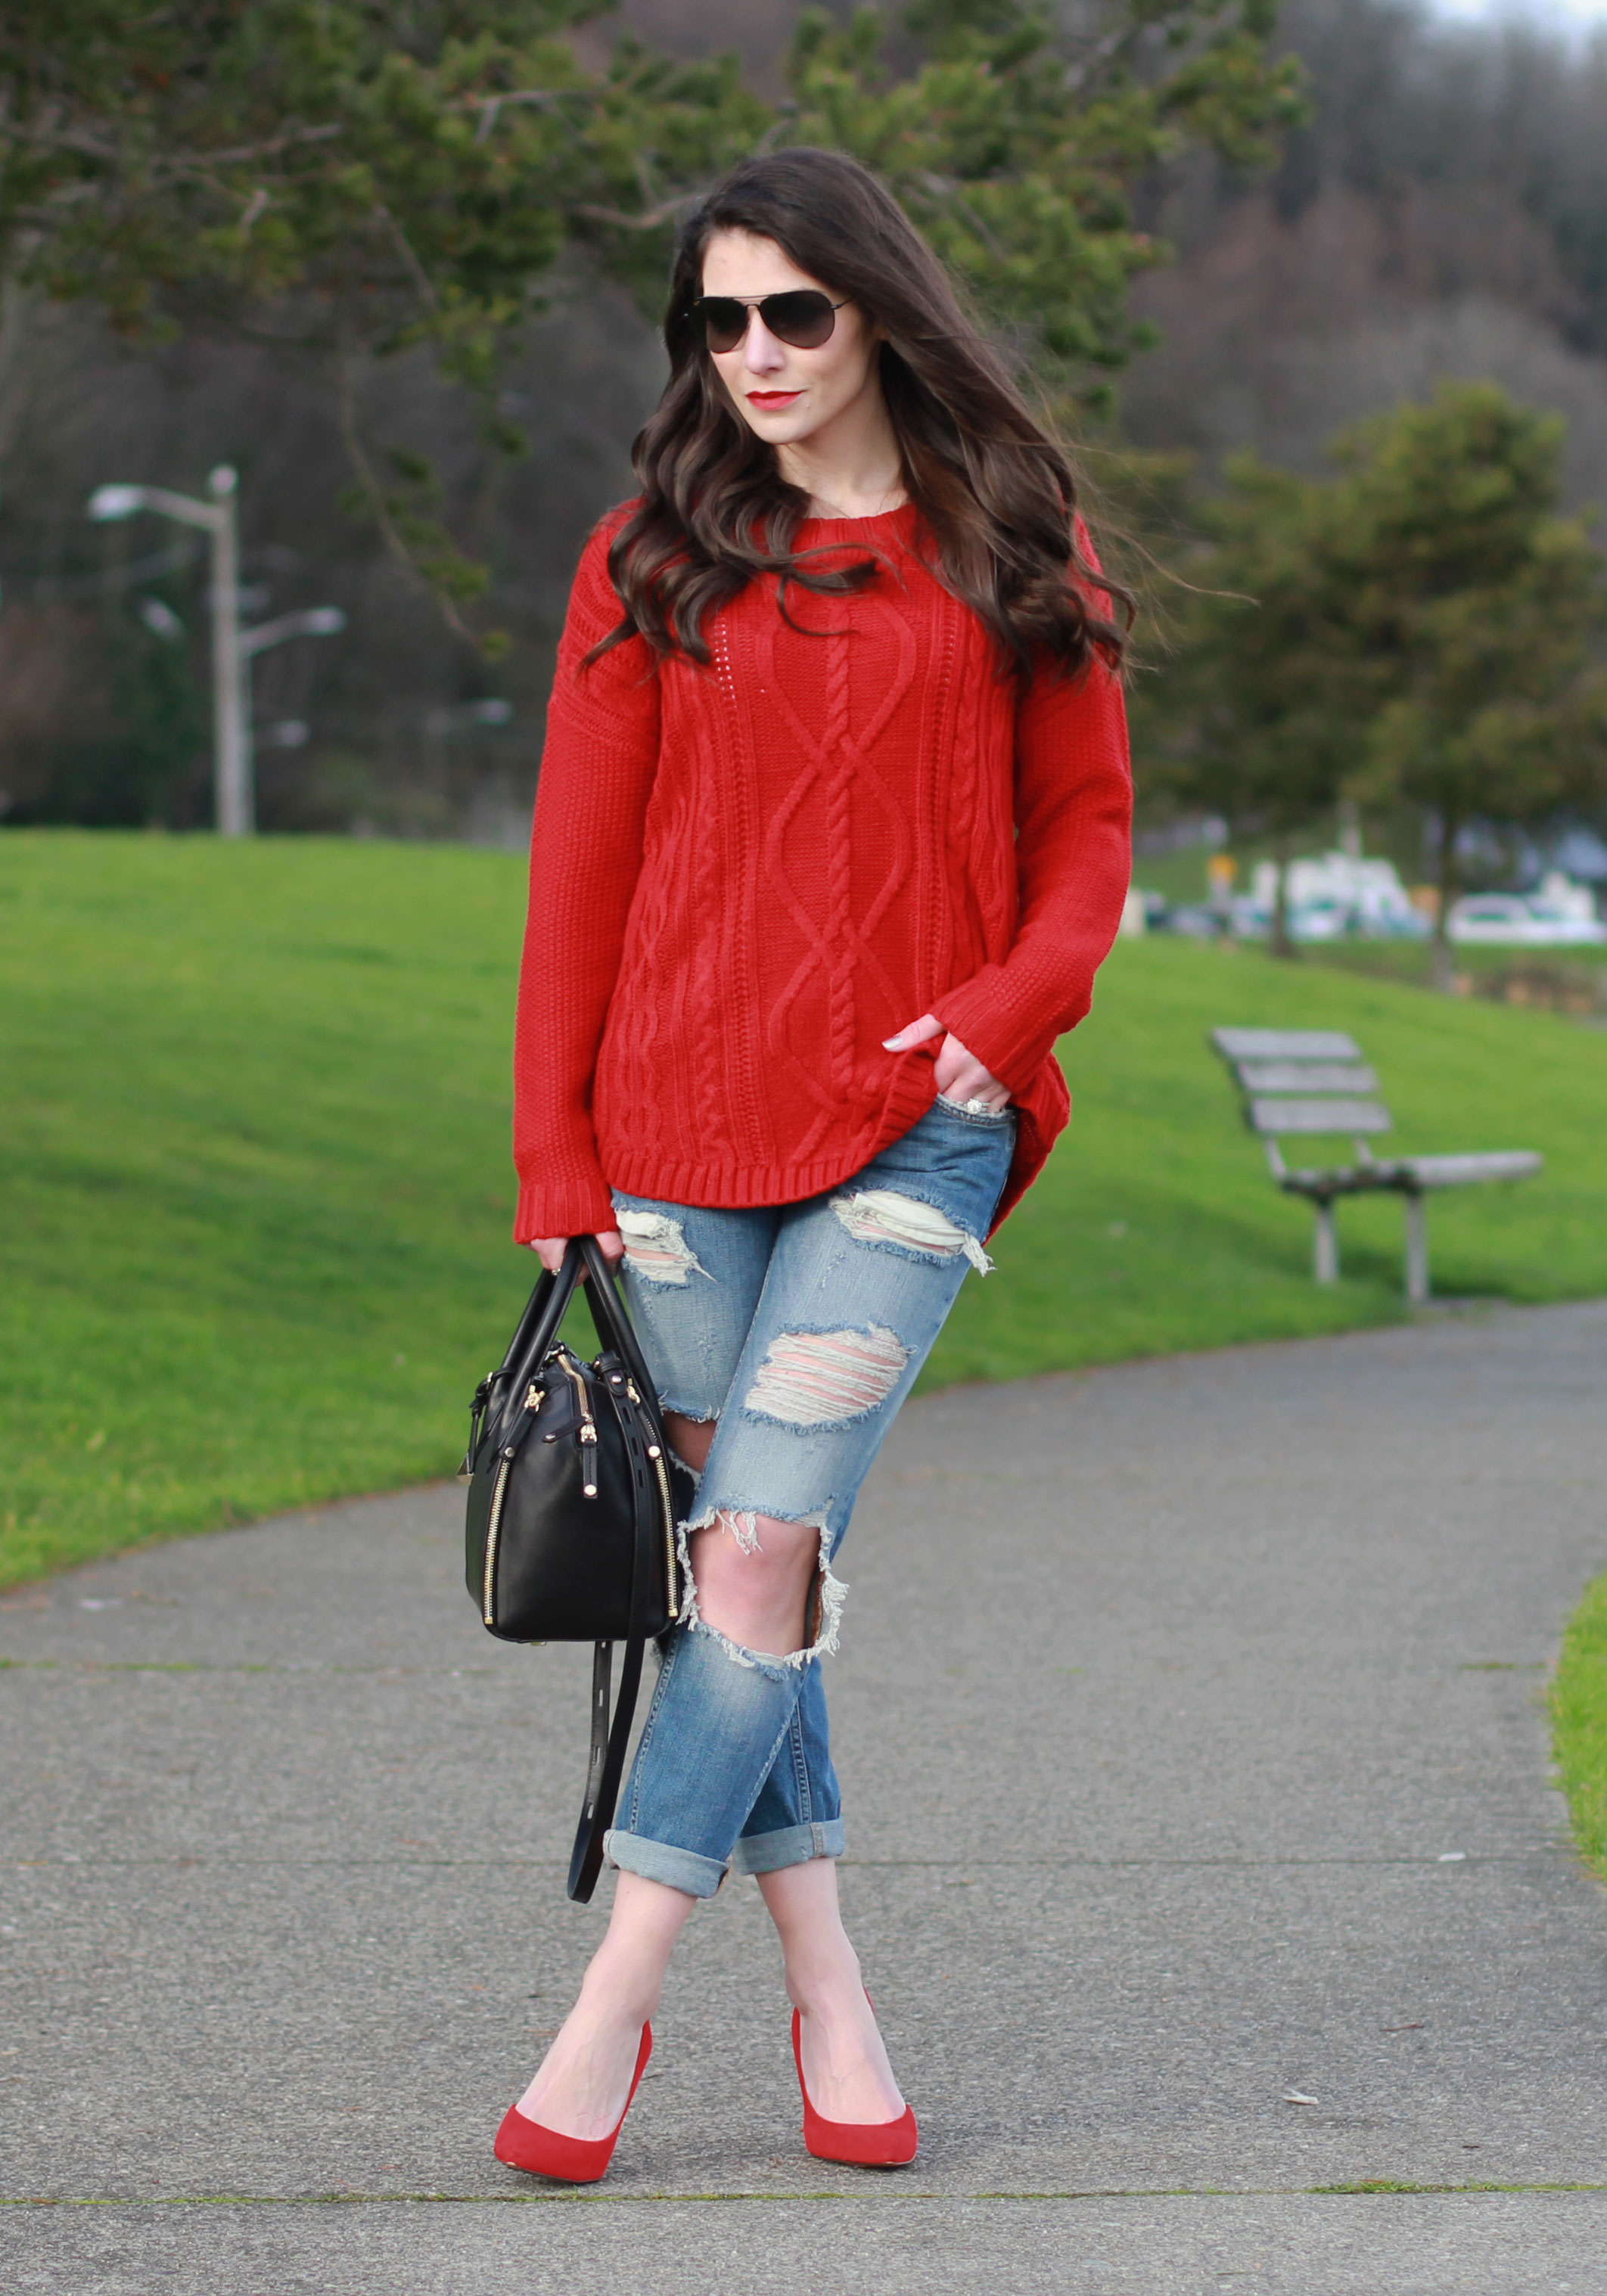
x=1315 y=1081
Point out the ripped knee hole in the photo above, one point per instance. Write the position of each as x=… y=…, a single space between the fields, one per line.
x=822 y=1612
x=741 y=1523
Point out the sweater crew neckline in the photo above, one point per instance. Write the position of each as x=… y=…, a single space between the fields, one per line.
x=850 y=526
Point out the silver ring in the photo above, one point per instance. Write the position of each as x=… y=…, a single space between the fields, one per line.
x=977 y=1107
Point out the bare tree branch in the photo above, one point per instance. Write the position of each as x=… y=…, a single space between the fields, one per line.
x=373 y=493
x=651 y=221
x=230 y=156
x=421 y=278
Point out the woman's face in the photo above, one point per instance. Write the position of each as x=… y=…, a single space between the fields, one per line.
x=786 y=395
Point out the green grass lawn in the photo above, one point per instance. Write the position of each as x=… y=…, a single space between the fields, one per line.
x=254 y=1245
x=1156 y=1227
x=1578 y=1715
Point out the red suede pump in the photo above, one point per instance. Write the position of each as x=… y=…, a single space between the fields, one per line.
x=541 y=2152
x=862 y=2144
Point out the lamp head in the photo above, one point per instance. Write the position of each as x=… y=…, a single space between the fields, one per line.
x=324 y=621
x=116 y=502
x=159 y=617
x=223 y=480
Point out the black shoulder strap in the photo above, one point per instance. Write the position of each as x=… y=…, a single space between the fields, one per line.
x=606 y=1765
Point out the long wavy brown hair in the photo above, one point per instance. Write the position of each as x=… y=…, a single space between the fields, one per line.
x=995 y=491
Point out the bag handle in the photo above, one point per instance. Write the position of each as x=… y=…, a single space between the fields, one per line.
x=548 y=1304
x=615 y=1328
x=537 y=1327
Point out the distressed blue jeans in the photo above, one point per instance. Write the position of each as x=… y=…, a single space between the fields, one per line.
x=799 y=1328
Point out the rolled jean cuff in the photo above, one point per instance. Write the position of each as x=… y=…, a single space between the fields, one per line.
x=660 y=1861
x=790 y=1845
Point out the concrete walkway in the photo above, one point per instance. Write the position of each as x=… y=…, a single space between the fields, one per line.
x=1202 y=1857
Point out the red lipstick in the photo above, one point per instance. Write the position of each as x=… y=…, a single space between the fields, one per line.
x=773 y=400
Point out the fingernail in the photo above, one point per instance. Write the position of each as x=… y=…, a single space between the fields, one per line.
x=892 y=1044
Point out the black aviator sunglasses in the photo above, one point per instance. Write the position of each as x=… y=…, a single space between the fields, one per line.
x=802 y=317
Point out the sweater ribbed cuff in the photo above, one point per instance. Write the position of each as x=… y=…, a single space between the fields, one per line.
x=573 y=1203
x=983 y=1014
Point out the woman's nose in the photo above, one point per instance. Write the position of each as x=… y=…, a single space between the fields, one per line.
x=763 y=355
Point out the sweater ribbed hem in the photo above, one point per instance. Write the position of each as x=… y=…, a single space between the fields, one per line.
x=716 y=1187
x=1043 y=1110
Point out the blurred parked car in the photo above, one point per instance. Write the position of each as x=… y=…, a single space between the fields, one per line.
x=1341 y=896
x=1562 y=914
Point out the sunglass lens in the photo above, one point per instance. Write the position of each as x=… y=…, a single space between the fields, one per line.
x=724 y=320
x=804 y=317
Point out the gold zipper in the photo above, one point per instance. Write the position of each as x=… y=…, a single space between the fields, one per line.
x=582 y=1400
x=499 y=1488
x=587 y=1431
x=670 y=1536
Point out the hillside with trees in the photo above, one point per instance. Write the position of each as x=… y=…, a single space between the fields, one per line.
x=1441 y=212
x=1224 y=278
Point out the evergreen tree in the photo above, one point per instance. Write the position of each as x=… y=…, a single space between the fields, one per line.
x=1478 y=614
x=1259 y=717
x=1423 y=631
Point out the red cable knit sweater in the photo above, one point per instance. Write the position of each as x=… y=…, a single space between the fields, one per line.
x=744 y=878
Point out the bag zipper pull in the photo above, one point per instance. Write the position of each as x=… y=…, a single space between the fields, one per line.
x=588 y=1434
x=588 y=1431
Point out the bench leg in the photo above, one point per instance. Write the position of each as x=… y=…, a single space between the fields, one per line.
x=1417 y=1250
x=1326 y=1257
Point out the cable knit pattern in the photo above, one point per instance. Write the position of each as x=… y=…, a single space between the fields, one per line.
x=742 y=878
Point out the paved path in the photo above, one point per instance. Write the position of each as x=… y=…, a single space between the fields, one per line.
x=1213 y=1774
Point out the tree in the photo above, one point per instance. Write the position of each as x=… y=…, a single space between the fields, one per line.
x=1259 y=720
x=1478 y=615
x=352 y=178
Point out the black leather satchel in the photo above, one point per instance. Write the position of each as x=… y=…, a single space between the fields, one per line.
x=571 y=1533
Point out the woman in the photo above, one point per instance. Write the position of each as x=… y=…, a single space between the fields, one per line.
x=831 y=837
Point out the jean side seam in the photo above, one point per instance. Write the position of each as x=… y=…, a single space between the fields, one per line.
x=801 y=1767
x=665 y=1668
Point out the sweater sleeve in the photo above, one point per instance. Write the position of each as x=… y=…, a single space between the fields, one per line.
x=1073 y=811
x=597 y=769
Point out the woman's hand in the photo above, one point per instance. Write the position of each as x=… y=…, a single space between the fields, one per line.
x=553 y=1248
x=961 y=1076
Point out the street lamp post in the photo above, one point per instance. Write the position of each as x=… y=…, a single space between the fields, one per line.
x=231 y=736
x=232 y=649
x=218 y=521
